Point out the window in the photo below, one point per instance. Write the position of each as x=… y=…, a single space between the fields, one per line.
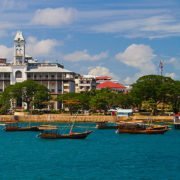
x=18 y=74
x=6 y=75
x=52 y=90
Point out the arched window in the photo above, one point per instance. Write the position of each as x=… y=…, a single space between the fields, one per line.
x=18 y=74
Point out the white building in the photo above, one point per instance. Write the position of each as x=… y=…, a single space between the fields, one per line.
x=84 y=83
x=52 y=75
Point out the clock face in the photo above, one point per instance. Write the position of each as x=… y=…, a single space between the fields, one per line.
x=19 y=50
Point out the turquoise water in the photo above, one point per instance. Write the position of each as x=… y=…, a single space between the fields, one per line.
x=103 y=155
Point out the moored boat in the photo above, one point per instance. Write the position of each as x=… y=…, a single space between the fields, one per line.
x=106 y=125
x=54 y=134
x=13 y=126
x=141 y=128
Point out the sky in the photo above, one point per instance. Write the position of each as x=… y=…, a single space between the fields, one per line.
x=124 y=39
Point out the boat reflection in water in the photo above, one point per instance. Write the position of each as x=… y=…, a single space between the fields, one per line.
x=141 y=128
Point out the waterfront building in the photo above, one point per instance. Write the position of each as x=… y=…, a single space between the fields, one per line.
x=84 y=83
x=101 y=79
x=52 y=75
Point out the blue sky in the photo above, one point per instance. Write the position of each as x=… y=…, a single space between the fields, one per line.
x=121 y=38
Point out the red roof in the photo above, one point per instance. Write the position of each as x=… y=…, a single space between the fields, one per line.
x=103 y=78
x=111 y=85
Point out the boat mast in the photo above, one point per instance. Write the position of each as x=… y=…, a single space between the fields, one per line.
x=73 y=124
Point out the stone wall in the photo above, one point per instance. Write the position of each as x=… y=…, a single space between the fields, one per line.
x=79 y=118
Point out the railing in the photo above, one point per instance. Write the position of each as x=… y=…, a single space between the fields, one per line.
x=49 y=78
x=4 y=78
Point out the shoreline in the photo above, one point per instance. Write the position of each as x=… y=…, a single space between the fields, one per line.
x=82 y=118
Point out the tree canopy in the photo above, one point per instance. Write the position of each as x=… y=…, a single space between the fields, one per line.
x=156 y=89
x=148 y=92
x=30 y=92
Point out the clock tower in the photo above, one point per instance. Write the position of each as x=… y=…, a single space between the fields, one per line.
x=19 y=49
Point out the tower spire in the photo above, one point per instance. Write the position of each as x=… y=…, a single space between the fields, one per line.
x=19 y=48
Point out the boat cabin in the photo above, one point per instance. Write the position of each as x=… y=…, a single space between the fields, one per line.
x=124 y=112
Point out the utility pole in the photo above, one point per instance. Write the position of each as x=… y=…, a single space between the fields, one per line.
x=161 y=66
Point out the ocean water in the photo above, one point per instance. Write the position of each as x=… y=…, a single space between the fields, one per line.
x=103 y=155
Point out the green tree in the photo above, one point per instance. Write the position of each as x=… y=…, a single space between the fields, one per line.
x=71 y=101
x=103 y=99
x=174 y=96
x=154 y=88
x=30 y=92
x=125 y=101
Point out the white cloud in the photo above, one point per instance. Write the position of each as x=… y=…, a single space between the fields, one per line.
x=101 y=71
x=131 y=79
x=34 y=48
x=138 y=56
x=174 y=61
x=54 y=17
x=42 y=47
x=6 y=52
x=84 y=56
x=172 y=75
x=157 y=25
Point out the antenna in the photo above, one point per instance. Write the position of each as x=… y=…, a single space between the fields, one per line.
x=161 y=67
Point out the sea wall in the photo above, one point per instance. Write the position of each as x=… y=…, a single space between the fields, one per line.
x=79 y=118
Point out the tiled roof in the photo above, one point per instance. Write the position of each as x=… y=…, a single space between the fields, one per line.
x=111 y=85
x=103 y=78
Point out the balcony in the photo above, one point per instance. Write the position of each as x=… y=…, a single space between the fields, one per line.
x=4 y=78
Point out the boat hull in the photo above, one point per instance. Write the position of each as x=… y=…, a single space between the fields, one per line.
x=65 y=136
x=104 y=125
x=11 y=129
x=143 y=131
x=177 y=126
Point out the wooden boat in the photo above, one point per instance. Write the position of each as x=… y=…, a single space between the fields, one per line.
x=106 y=125
x=141 y=128
x=53 y=133
x=13 y=126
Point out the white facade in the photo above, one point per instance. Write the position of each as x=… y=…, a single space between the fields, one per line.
x=52 y=75
x=84 y=83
